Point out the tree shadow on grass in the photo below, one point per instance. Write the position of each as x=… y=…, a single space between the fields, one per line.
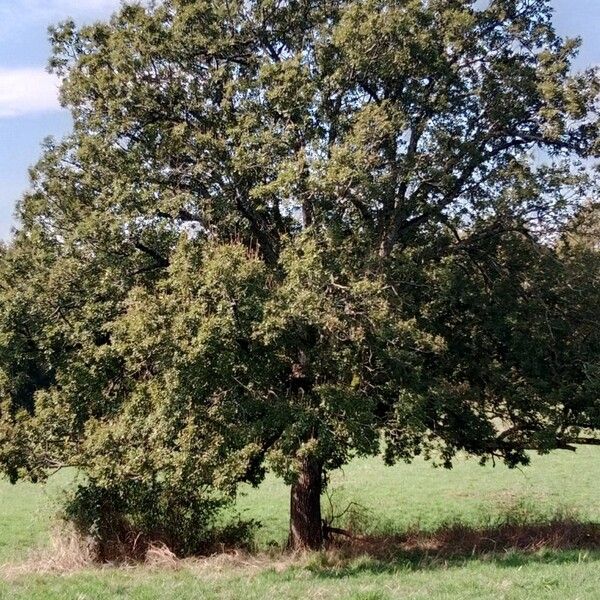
x=507 y=545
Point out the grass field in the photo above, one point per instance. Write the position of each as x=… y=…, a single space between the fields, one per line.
x=392 y=500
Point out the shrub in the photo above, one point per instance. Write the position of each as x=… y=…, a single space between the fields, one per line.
x=123 y=521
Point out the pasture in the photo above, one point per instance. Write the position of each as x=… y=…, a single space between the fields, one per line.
x=468 y=533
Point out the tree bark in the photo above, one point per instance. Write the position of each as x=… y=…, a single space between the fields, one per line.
x=306 y=528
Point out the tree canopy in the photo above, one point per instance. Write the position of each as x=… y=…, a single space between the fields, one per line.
x=284 y=233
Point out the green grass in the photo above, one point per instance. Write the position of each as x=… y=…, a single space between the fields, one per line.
x=393 y=499
x=27 y=514
x=476 y=580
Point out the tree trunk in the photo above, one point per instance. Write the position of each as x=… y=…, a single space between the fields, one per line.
x=306 y=529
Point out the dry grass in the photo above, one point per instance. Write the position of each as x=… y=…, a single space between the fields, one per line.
x=68 y=553
x=159 y=556
x=460 y=541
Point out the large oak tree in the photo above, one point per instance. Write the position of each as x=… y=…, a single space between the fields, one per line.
x=287 y=232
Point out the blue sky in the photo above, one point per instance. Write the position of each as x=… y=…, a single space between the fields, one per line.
x=29 y=109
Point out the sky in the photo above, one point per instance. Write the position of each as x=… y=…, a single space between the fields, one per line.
x=29 y=108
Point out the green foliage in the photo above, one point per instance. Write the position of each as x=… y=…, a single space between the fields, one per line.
x=124 y=520
x=281 y=231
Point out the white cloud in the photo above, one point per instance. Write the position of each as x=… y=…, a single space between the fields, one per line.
x=27 y=91
x=81 y=4
x=31 y=90
x=21 y=13
x=75 y=7
x=63 y=6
